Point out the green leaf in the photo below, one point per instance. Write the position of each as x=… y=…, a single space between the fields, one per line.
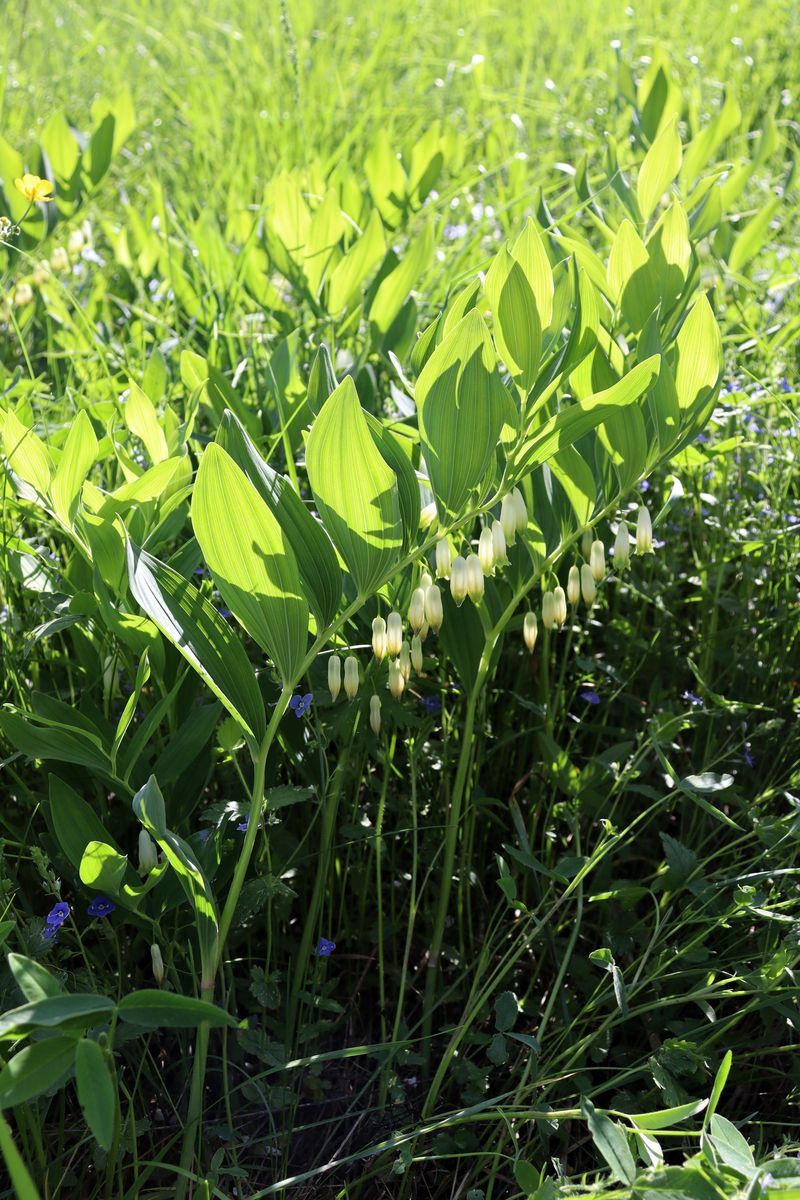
x=668 y=1117
x=152 y=1009
x=251 y=560
x=720 y=1079
x=142 y=420
x=632 y=280
x=753 y=236
x=393 y=290
x=202 y=636
x=75 y=822
x=731 y=1147
x=530 y=253
x=660 y=167
x=699 y=356
x=517 y=331
x=52 y=1011
x=321 y=385
x=506 y=1011
x=316 y=558
x=33 y=980
x=611 y=1143
x=361 y=258
x=96 y=1092
x=463 y=410
x=35 y=1069
x=148 y=805
x=390 y=445
x=26 y=453
x=77 y=458
x=102 y=867
x=355 y=490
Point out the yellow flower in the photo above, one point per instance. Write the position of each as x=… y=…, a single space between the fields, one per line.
x=34 y=188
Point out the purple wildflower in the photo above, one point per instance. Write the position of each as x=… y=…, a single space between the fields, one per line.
x=431 y=704
x=58 y=914
x=325 y=947
x=590 y=696
x=101 y=906
x=694 y=700
x=300 y=704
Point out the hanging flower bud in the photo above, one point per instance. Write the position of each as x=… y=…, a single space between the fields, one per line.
x=41 y=272
x=560 y=600
x=474 y=578
x=443 y=559
x=23 y=294
x=486 y=551
x=351 y=676
x=530 y=630
x=375 y=714
x=549 y=610
x=622 y=547
x=417 y=660
x=416 y=610
x=158 y=964
x=586 y=543
x=396 y=681
x=404 y=661
x=425 y=581
x=508 y=519
x=588 y=585
x=75 y=241
x=499 y=544
x=59 y=259
x=597 y=560
x=458 y=580
x=148 y=855
x=394 y=634
x=520 y=510
x=574 y=585
x=644 y=531
x=379 y=638
x=428 y=515
x=434 y=613
x=334 y=675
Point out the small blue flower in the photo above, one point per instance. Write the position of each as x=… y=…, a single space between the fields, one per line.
x=300 y=704
x=325 y=947
x=748 y=758
x=784 y=385
x=101 y=906
x=695 y=701
x=50 y=934
x=431 y=704
x=58 y=914
x=590 y=696
x=244 y=825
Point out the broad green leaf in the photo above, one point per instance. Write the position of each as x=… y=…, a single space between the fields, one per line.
x=576 y=478
x=506 y=1012
x=355 y=490
x=321 y=385
x=328 y=226
x=26 y=453
x=74 y=821
x=251 y=559
x=33 y=980
x=359 y=260
x=755 y=233
x=611 y=1142
x=699 y=356
x=43 y=742
x=77 y=458
x=720 y=1079
x=387 y=179
x=52 y=1011
x=624 y=437
x=517 y=331
x=142 y=420
x=204 y=638
x=670 y=254
x=391 y=449
x=152 y=1009
x=707 y=142
x=730 y=1146
x=463 y=411
x=630 y=276
x=660 y=167
x=96 y=1093
x=530 y=253
x=102 y=867
x=34 y=1070
x=393 y=290
x=206 y=381
x=668 y=1117
x=316 y=558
